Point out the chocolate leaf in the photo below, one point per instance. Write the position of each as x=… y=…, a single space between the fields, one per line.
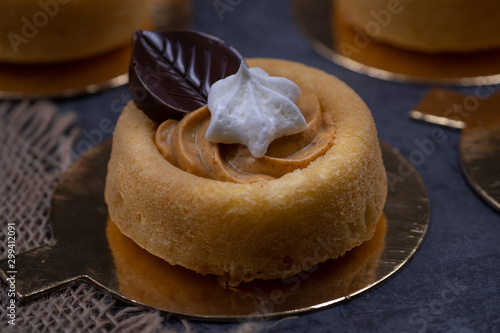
x=171 y=72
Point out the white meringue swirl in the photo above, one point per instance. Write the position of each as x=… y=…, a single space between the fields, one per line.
x=253 y=109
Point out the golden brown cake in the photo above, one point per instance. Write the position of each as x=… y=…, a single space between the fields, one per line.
x=264 y=229
x=429 y=26
x=61 y=30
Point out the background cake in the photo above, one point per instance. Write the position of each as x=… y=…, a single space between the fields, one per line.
x=427 y=25
x=62 y=30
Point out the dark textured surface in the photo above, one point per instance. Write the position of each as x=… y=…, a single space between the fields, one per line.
x=452 y=284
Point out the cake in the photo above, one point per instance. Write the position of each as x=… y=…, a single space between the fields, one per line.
x=49 y=31
x=429 y=26
x=268 y=227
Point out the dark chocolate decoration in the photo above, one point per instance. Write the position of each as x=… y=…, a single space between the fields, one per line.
x=171 y=71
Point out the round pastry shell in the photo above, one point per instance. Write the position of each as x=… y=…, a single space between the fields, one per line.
x=267 y=229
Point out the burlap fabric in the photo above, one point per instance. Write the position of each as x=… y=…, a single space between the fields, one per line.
x=35 y=148
x=36 y=144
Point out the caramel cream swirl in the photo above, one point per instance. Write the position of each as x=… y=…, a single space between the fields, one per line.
x=184 y=145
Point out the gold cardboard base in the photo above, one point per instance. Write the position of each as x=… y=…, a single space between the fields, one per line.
x=479 y=147
x=65 y=79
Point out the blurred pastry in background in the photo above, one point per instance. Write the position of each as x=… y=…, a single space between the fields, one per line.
x=429 y=26
x=48 y=31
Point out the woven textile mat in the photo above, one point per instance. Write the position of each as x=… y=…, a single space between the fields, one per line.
x=35 y=149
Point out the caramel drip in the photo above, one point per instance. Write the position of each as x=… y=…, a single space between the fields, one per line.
x=184 y=145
